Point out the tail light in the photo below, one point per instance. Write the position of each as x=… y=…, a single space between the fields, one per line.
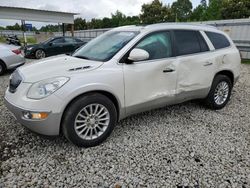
x=17 y=51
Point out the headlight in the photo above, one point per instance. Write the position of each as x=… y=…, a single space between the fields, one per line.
x=30 y=48
x=46 y=87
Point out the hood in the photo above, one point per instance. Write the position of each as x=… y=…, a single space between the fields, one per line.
x=33 y=46
x=61 y=65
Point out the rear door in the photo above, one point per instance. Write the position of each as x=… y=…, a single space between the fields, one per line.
x=70 y=44
x=196 y=66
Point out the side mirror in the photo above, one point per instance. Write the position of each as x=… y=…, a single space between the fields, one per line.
x=51 y=43
x=138 y=55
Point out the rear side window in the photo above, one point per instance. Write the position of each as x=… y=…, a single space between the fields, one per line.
x=69 y=40
x=158 y=45
x=189 y=42
x=218 y=40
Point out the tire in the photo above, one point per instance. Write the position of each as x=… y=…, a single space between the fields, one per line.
x=218 y=97
x=75 y=116
x=2 y=68
x=39 y=54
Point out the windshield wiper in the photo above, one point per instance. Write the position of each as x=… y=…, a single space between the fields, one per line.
x=82 y=57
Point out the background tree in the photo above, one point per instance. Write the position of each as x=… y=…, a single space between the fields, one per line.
x=204 y=3
x=154 y=12
x=214 y=10
x=232 y=9
x=80 y=24
x=14 y=27
x=199 y=13
x=132 y=20
x=118 y=19
x=51 y=28
x=181 y=10
x=107 y=22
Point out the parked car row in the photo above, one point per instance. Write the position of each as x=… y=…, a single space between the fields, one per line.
x=11 y=54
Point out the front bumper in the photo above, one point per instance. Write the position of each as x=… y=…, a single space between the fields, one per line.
x=49 y=126
x=29 y=54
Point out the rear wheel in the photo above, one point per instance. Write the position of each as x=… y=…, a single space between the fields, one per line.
x=2 y=68
x=39 y=54
x=220 y=92
x=89 y=120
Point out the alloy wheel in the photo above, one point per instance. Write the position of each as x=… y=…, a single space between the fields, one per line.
x=92 y=121
x=221 y=93
x=40 y=54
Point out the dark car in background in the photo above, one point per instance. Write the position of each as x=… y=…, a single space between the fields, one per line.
x=53 y=46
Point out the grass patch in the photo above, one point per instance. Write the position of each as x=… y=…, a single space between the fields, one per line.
x=2 y=39
x=30 y=40
x=245 y=61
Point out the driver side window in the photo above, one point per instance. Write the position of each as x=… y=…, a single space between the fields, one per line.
x=59 y=40
x=158 y=45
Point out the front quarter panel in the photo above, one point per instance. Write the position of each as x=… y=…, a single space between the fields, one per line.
x=108 y=78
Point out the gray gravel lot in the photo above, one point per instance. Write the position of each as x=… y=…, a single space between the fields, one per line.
x=184 y=145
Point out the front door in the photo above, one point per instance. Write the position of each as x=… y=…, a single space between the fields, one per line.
x=56 y=47
x=151 y=83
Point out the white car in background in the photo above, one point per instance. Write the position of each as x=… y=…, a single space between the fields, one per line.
x=10 y=57
x=122 y=72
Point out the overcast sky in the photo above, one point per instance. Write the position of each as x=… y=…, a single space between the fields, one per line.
x=87 y=8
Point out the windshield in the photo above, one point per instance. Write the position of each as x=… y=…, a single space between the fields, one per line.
x=48 y=40
x=104 y=47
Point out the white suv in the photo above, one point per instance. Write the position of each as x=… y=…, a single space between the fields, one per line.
x=122 y=72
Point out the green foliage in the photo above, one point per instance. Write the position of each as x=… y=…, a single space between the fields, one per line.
x=203 y=3
x=51 y=28
x=30 y=40
x=245 y=61
x=2 y=39
x=14 y=27
x=233 y=9
x=214 y=9
x=182 y=10
x=199 y=13
x=80 y=24
x=155 y=12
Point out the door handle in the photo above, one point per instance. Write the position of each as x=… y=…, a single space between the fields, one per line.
x=168 y=70
x=208 y=63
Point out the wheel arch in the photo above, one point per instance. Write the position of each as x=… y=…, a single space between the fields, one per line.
x=4 y=64
x=103 y=92
x=227 y=73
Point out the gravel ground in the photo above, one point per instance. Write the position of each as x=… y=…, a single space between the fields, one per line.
x=184 y=145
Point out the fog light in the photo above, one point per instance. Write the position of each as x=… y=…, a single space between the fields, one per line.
x=27 y=115
x=35 y=115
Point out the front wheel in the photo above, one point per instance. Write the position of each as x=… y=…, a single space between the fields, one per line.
x=39 y=54
x=89 y=120
x=220 y=92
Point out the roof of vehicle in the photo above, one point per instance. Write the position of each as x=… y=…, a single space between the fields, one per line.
x=161 y=26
